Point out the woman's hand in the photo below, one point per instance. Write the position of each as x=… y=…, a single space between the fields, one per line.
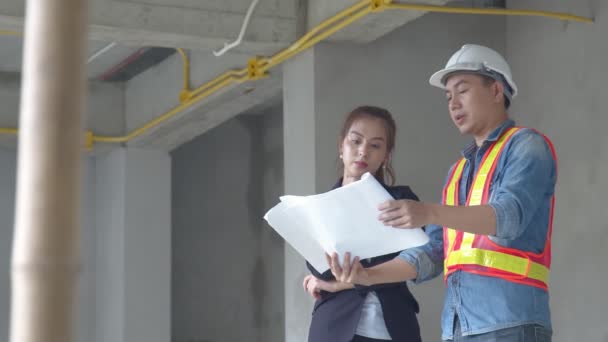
x=349 y=272
x=314 y=285
x=311 y=285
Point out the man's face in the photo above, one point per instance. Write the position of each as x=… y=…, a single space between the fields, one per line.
x=471 y=102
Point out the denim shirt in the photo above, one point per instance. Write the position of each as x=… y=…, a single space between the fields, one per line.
x=520 y=194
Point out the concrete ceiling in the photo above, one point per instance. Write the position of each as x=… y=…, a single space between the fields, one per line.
x=121 y=29
x=102 y=55
x=189 y=24
x=367 y=29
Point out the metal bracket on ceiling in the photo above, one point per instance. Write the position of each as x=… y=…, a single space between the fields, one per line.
x=254 y=71
x=379 y=5
x=237 y=42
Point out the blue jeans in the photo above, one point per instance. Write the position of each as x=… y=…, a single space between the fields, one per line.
x=522 y=333
x=358 y=338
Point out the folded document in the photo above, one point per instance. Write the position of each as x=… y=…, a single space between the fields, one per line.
x=342 y=220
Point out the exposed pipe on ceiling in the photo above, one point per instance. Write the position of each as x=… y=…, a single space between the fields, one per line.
x=9 y=33
x=100 y=52
x=484 y=3
x=237 y=42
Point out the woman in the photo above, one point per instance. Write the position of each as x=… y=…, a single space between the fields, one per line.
x=384 y=312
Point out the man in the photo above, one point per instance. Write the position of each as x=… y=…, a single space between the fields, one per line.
x=491 y=235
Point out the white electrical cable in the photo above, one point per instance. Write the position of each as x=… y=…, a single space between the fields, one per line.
x=100 y=52
x=228 y=46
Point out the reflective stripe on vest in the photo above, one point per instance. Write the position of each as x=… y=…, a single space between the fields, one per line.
x=477 y=253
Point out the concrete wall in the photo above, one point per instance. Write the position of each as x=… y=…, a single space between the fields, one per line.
x=227 y=264
x=560 y=69
x=393 y=72
x=7 y=214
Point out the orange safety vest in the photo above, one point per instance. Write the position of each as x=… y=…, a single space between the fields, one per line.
x=478 y=254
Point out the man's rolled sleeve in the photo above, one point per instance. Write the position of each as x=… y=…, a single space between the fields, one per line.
x=526 y=181
x=427 y=259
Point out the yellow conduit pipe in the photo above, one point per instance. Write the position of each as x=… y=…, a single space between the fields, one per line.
x=258 y=66
x=188 y=93
x=9 y=33
x=185 y=93
x=163 y=117
x=315 y=40
x=231 y=74
x=488 y=11
x=295 y=47
x=8 y=131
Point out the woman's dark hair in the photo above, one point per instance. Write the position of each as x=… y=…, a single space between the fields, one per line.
x=385 y=173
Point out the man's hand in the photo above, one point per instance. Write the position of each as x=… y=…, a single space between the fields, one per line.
x=349 y=272
x=405 y=214
x=476 y=219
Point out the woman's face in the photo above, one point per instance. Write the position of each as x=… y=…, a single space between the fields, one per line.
x=364 y=148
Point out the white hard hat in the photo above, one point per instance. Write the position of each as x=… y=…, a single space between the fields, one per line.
x=478 y=59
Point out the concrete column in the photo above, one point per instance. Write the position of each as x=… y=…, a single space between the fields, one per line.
x=310 y=167
x=300 y=178
x=133 y=260
x=85 y=308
